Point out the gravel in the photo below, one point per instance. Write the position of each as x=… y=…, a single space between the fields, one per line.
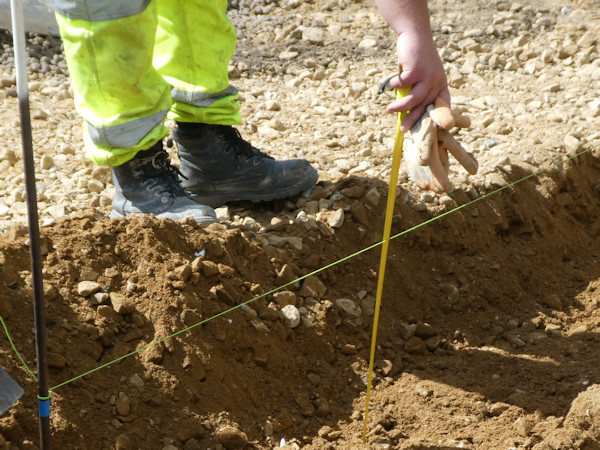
x=529 y=101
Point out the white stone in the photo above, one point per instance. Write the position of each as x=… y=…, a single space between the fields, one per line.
x=288 y=55
x=336 y=218
x=367 y=43
x=290 y=315
x=313 y=35
x=86 y=288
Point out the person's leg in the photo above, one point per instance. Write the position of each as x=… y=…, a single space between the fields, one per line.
x=124 y=101
x=195 y=42
x=121 y=97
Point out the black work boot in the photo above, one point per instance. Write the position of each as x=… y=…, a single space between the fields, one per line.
x=222 y=167
x=148 y=184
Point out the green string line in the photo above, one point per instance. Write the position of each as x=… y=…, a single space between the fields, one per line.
x=15 y=349
x=314 y=272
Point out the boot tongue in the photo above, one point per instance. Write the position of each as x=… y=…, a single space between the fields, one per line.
x=233 y=139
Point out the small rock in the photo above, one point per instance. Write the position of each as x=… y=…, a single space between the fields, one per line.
x=385 y=365
x=313 y=35
x=553 y=301
x=8 y=155
x=288 y=55
x=249 y=312
x=336 y=218
x=372 y=196
x=313 y=287
x=89 y=275
x=183 y=272
x=285 y=275
x=281 y=241
x=367 y=43
x=49 y=292
x=367 y=305
x=353 y=192
x=324 y=431
x=268 y=428
x=136 y=381
x=57 y=211
x=572 y=143
x=446 y=200
x=46 y=162
x=225 y=270
x=415 y=346
x=348 y=349
x=40 y=115
x=123 y=442
x=498 y=408
x=260 y=326
x=285 y=298
x=85 y=288
x=122 y=404
x=121 y=303
x=425 y=331
x=290 y=315
x=232 y=438
x=349 y=307
x=524 y=425
x=7 y=81
x=359 y=213
x=427 y=197
x=209 y=268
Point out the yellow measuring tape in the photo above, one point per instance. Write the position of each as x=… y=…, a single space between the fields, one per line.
x=387 y=228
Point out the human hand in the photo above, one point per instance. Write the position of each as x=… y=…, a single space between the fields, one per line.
x=422 y=69
x=427 y=144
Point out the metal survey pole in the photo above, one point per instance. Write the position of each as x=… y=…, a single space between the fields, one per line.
x=20 y=51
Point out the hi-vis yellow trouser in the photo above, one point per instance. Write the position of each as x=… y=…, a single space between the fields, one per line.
x=134 y=63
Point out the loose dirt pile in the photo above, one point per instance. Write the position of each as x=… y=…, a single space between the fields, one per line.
x=489 y=329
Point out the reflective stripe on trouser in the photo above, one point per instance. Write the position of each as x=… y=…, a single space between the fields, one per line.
x=122 y=98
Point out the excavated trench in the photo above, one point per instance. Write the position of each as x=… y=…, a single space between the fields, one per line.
x=493 y=304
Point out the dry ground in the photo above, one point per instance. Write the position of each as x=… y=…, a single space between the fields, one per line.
x=489 y=333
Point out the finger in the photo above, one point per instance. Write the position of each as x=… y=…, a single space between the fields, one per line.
x=444 y=158
x=397 y=82
x=442 y=114
x=460 y=120
x=426 y=140
x=412 y=118
x=465 y=159
x=439 y=182
x=418 y=94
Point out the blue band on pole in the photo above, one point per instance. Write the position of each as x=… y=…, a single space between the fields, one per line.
x=44 y=407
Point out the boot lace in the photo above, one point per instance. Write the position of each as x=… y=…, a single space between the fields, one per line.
x=235 y=143
x=158 y=174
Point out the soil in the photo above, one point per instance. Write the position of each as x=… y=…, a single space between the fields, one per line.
x=167 y=335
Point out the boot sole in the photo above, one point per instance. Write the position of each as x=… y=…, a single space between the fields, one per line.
x=219 y=198
x=204 y=222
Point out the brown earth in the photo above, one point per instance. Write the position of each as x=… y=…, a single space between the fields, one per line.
x=489 y=329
